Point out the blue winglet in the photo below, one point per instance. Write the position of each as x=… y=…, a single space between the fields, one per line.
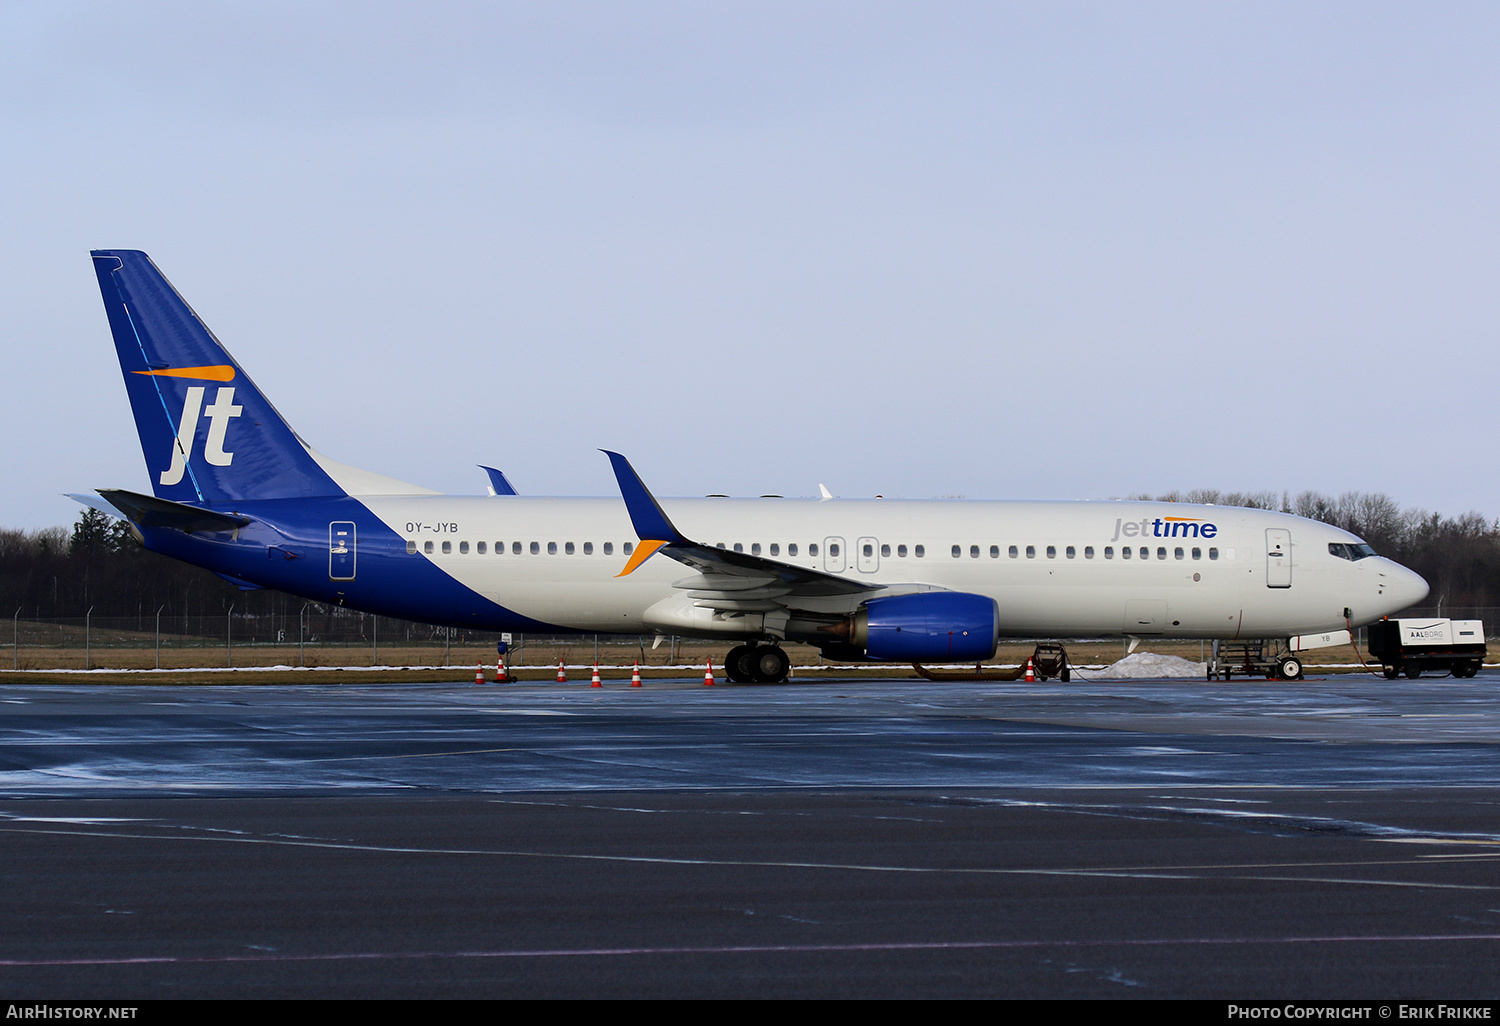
x=651 y=524
x=498 y=481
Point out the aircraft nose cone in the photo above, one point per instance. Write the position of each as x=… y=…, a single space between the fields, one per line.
x=1403 y=587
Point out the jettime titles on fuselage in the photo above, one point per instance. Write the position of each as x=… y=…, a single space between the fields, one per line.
x=1165 y=527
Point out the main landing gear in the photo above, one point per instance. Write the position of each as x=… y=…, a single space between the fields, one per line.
x=757 y=664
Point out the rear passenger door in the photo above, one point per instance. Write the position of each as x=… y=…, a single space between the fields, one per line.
x=1278 y=558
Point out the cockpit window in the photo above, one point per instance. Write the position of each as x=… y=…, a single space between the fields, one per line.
x=1357 y=550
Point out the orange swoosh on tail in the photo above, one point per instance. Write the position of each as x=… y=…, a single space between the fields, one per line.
x=218 y=372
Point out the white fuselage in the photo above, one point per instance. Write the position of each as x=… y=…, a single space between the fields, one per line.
x=1055 y=569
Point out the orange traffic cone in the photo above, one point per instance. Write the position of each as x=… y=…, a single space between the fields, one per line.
x=708 y=674
x=595 y=682
x=1030 y=673
x=562 y=675
x=500 y=675
x=479 y=674
x=635 y=676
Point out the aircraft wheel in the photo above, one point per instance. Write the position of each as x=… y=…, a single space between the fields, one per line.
x=736 y=666
x=770 y=664
x=1413 y=671
x=1290 y=668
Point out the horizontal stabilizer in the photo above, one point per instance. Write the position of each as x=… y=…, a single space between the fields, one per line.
x=94 y=502
x=148 y=511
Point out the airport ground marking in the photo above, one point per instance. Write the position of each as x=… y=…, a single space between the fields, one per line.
x=1145 y=873
x=757 y=949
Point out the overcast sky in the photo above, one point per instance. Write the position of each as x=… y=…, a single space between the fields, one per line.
x=997 y=250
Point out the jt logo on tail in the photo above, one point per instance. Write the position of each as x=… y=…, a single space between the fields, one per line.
x=219 y=414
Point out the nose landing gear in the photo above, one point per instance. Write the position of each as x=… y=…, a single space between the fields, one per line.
x=757 y=664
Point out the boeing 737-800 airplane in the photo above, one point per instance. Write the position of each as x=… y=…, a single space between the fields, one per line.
x=236 y=490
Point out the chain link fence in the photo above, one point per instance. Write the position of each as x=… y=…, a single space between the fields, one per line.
x=321 y=636
x=318 y=636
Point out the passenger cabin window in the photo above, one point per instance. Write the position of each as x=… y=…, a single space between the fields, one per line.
x=447 y=548
x=1070 y=552
x=994 y=552
x=755 y=548
x=1014 y=552
x=609 y=548
x=411 y=548
x=868 y=550
x=973 y=551
x=1051 y=551
x=885 y=551
x=775 y=548
x=812 y=550
x=427 y=548
x=536 y=547
x=1197 y=553
x=1213 y=553
x=1177 y=553
x=588 y=548
x=901 y=551
x=626 y=548
x=552 y=548
x=919 y=551
x=1161 y=553
x=957 y=551
x=568 y=548
x=1031 y=552
x=791 y=550
x=479 y=548
x=463 y=548
x=1088 y=552
x=1125 y=551
x=738 y=547
x=1109 y=552
x=515 y=548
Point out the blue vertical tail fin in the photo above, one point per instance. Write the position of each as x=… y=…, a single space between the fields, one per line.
x=208 y=434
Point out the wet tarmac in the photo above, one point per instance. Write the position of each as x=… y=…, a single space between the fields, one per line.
x=1334 y=838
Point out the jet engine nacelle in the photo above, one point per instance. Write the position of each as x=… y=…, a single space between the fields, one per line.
x=932 y=626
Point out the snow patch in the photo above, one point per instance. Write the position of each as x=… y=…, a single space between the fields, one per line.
x=1150 y=665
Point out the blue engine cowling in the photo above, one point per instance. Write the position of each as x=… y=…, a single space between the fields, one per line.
x=934 y=626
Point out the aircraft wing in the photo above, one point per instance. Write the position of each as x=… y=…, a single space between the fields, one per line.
x=726 y=580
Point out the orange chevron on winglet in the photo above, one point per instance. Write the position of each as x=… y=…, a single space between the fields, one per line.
x=644 y=551
x=217 y=372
